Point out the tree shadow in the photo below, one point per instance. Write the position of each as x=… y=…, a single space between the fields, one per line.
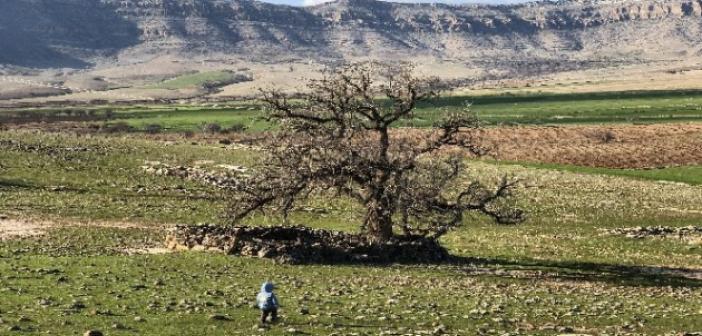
x=622 y=275
x=8 y=183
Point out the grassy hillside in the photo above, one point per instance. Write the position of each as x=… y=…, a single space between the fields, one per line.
x=197 y=80
x=556 y=273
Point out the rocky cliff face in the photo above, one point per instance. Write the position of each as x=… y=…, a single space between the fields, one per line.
x=77 y=33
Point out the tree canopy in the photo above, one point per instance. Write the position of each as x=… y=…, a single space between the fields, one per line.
x=339 y=136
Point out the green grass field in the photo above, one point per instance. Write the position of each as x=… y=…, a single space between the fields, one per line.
x=557 y=273
x=685 y=174
x=196 y=80
x=528 y=109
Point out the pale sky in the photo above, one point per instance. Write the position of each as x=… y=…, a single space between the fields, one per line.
x=315 y=2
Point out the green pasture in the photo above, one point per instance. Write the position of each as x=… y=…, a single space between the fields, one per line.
x=511 y=109
x=196 y=80
x=557 y=273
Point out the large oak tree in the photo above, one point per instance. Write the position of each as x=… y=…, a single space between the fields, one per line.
x=338 y=136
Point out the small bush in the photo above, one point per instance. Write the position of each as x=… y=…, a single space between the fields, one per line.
x=153 y=128
x=188 y=134
x=212 y=128
x=118 y=127
x=237 y=128
x=604 y=136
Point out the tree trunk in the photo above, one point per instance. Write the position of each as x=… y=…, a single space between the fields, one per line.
x=379 y=222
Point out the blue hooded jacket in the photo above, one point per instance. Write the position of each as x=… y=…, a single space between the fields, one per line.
x=266 y=299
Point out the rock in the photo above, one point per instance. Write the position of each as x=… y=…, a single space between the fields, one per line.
x=264 y=253
x=93 y=333
x=439 y=330
x=138 y=319
x=118 y=326
x=3 y=217
x=304 y=311
x=77 y=305
x=14 y=328
x=292 y=331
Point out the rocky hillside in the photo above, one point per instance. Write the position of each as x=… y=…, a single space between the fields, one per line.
x=80 y=33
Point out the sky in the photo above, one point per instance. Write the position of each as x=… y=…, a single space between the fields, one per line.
x=315 y=2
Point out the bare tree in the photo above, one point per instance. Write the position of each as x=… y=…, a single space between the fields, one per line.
x=338 y=136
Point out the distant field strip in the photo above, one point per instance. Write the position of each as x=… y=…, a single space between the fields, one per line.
x=71 y=89
x=196 y=80
x=631 y=107
x=636 y=107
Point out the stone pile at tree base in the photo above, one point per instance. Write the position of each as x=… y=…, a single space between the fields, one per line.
x=297 y=244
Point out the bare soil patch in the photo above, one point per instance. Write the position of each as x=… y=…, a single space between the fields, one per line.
x=20 y=228
x=621 y=146
x=11 y=228
x=605 y=146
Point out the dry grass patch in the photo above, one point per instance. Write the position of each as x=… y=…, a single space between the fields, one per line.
x=621 y=146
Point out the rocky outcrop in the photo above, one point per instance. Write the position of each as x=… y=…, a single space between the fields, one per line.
x=229 y=178
x=296 y=244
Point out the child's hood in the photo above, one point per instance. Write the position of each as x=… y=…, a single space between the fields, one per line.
x=267 y=287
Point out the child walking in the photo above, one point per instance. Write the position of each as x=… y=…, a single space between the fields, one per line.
x=267 y=302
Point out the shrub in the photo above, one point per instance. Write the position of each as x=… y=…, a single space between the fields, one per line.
x=237 y=128
x=604 y=136
x=153 y=128
x=118 y=127
x=212 y=128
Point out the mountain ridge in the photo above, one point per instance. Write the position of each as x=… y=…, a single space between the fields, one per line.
x=85 y=30
x=132 y=43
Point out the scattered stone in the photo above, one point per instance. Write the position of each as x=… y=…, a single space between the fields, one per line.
x=93 y=333
x=439 y=330
x=297 y=244
x=138 y=319
x=58 y=188
x=223 y=180
x=76 y=305
x=641 y=232
x=118 y=326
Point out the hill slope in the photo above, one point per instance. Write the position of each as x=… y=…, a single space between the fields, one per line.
x=502 y=41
